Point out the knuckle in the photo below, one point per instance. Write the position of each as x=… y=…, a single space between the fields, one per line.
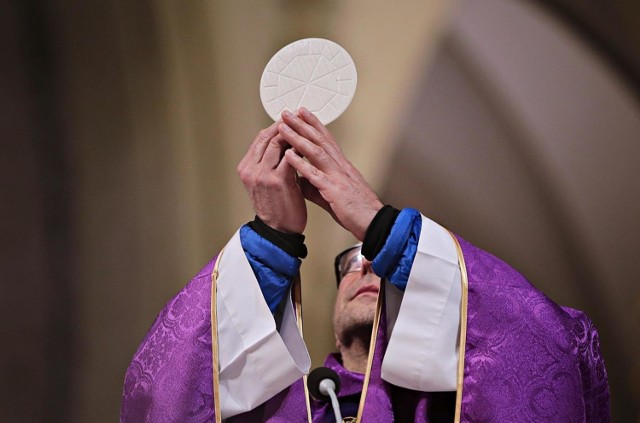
x=249 y=176
x=249 y=180
x=245 y=174
x=264 y=135
x=318 y=151
x=314 y=170
x=322 y=139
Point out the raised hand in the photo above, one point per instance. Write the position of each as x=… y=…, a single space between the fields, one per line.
x=272 y=183
x=330 y=180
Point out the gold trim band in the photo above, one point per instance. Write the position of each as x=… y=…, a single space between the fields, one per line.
x=214 y=339
x=297 y=300
x=463 y=328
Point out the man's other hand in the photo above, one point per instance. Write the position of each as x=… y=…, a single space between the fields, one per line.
x=272 y=183
x=329 y=179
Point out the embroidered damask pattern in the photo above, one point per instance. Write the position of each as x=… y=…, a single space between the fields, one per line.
x=527 y=359
x=170 y=375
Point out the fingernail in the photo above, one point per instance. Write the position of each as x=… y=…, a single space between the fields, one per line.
x=287 y=113
x=303 y=111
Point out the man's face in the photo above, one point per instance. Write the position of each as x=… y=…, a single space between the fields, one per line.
x=355 y=304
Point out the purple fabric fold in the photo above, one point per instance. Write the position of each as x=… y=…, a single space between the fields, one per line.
x=170 y=376
x=526 y=359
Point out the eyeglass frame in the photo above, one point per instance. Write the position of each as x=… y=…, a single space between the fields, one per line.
x=337 y=262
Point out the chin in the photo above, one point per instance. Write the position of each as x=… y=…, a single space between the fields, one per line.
x=355 y=329
x=361 y=315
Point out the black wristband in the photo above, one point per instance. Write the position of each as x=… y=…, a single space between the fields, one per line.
x=378 y=231
x=292 y=244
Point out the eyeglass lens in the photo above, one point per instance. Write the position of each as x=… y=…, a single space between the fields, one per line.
x=351 y=262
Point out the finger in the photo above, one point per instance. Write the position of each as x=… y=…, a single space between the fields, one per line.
x=303 y=128
x=307 y=170
x=317 y=134
x=313 y=120
x=313 y=152
x=274 y=152
x=312 y=194
x=285 y=170
x=260 y=143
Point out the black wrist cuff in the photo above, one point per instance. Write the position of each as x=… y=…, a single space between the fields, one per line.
x=378 y=231
x=292 y=244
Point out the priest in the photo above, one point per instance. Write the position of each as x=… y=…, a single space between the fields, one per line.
x=428 y=327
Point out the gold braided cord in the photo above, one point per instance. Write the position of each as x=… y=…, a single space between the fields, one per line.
x=297 y=300
x=463 y=328
x=214 y=340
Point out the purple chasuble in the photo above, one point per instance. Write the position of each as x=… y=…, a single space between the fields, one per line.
x=526 y=359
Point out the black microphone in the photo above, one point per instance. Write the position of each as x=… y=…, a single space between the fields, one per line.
x=324 y=384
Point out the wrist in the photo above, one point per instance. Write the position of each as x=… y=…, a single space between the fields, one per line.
x=378 y=231
x=291 y=243
x=367 y=216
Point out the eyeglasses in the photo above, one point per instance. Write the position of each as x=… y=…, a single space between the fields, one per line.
x=348 y=261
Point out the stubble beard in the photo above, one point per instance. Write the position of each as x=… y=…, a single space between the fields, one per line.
x=355 y=326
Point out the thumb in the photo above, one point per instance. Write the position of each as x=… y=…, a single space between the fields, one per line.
x=312 y=194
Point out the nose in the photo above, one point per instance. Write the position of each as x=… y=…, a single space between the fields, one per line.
x=366 y=267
